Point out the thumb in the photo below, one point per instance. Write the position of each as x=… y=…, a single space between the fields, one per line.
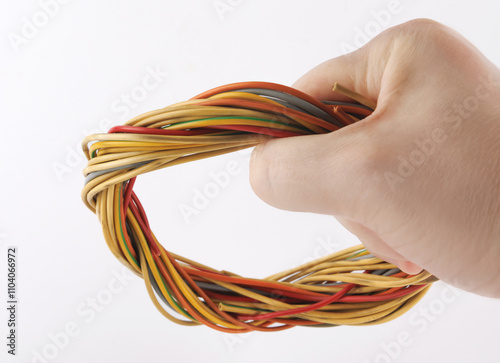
x=329 y=173
x=320 y=173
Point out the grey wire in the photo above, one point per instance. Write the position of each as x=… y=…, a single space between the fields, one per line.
x=157 y=289
x=361 y=257
x=217 y=288
x=155 y=286
x=379 y=272
x=287 y=104
x=95 y=174
x=212 y=287
x=392 y=272
x=293 y=100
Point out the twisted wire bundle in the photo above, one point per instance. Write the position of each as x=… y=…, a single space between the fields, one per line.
x=350 y=287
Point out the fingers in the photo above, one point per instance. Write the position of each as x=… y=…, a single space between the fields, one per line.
x=324 y=173
x=378 y=247
x=318 y=82
x=360 y=71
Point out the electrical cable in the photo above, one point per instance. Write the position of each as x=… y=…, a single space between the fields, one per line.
x=349 y=287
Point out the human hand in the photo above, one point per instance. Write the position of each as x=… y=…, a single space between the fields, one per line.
x=418 y=181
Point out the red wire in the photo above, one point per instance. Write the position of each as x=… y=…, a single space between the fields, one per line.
x=128 y=192
x=203 y=130
x=265 y=85
x=258 y=130
x=304 y=309
x=393 y=295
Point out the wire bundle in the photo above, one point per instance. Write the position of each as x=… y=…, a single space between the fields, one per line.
x=350 y=287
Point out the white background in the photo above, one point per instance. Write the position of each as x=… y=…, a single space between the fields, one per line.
x=65 y=78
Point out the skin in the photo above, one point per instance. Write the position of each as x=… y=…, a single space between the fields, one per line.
x=418 y=182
